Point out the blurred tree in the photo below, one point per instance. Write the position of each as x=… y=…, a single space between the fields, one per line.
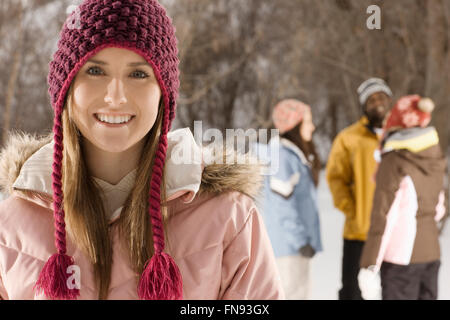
x=239 y=58
x=28 y=29
x=12 y=81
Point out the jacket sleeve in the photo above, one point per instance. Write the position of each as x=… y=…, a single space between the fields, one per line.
x=340 y=177
x=388 y=181
x=249 y=270
x=287 y=208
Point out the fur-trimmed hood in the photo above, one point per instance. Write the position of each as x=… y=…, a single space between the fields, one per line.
x=26 y=166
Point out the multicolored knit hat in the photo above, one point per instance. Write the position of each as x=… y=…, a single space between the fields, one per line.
x=143 y=27
x=409 y=111
x=288 y=113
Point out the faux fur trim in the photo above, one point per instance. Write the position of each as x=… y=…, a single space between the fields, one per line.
x=18 y=148
x=244 y=177
x=242 y=173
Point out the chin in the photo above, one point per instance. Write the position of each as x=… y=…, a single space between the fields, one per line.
x=113 y=147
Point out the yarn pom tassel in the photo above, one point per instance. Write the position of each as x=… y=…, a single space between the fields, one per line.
x=53 y=278
x=161 y=279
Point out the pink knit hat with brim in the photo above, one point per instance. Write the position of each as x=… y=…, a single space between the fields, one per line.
x=143 y=27
x=288 y=113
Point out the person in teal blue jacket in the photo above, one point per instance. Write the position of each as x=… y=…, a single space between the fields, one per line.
x=289 y=206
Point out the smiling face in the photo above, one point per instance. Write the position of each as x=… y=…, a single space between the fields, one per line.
x=116 y=86
x=377 y=107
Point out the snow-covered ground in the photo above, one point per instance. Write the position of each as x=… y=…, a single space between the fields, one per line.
x=326 y=266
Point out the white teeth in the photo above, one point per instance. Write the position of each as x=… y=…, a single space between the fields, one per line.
x=113 y=120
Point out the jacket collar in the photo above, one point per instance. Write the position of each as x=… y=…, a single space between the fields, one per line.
x=364 y=121
x=182 y=180
x=294 y=148
x=412 y=139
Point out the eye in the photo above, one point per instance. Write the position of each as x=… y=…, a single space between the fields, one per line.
x=140 y=74
x=95 y=71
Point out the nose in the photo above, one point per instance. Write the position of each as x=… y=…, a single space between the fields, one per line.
x=115 y=93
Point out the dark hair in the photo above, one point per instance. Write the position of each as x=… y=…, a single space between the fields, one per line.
x=308 y=148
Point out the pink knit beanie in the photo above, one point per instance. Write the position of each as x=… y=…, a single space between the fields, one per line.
x=143 y=27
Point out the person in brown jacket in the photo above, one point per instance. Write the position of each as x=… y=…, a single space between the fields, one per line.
x=350 y=168
x=403 y=239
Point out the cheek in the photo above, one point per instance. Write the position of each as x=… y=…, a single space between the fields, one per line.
x=147 y=119
x=79 y=111
x=369 y=107
x=148 y=94
x=306 y=131
x=85 y=94
x=148 y=100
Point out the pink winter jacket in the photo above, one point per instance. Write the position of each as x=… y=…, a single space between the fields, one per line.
x=215 y=233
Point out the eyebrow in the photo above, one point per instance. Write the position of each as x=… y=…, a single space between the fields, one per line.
x=132 y=64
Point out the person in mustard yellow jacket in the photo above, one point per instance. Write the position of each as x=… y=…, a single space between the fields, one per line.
x=350 y=170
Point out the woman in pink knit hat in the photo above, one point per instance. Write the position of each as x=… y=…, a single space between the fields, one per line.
x=289 y=206
x=100 y=208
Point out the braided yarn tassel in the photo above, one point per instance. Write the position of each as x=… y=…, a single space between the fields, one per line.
x=161 y=278
x=53 y=277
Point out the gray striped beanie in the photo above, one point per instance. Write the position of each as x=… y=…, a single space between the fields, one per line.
x=371 y=86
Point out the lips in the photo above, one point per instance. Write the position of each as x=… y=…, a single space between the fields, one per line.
x=114 y=124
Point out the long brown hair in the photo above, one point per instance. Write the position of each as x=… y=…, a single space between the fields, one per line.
x=86 y=218
x=308 y=148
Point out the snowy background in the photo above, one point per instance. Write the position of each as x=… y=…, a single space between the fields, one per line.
x=326 y=265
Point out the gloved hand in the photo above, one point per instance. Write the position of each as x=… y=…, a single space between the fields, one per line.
x=307 y=251
x=370 y=283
